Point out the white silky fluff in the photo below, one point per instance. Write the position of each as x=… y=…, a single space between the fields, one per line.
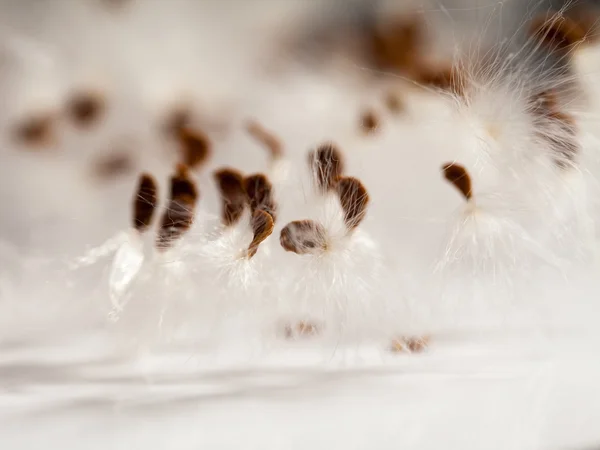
x=422 y=262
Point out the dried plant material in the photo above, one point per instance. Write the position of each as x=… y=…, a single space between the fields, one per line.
x=36 y=130
x=114 y=165
x=354 y=199
x=302 y=328
x=144 y=202
x=369 y=121
x=266 y=138
x=262 y=227
x=233 y=195
x=179 y=214
x=393 y=103
x=396 y=45
x=410 y=344
x=195 y=147
x=327 y=165
x=459 y=177
x=85 y=108
x=303 y=237
x=557 y=32
x=259 y=192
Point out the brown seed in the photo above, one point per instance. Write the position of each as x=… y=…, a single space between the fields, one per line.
x=369 y=122
x=85 y=108
x=195 y=147
x=459 y=177
x=354 y=199
x=266 y=138
x=303 y=237
x=144 y=202
x=233 y=195
x=557 y=32
x=262 y=227
x=36 y=130
x=327 y=165
x=179 y=214
x=259 y=192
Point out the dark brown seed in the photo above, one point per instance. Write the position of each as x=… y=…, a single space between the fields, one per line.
x=303 y=237
x=36 y=130
x=259 y=192
x=195 y=147
x=354 y=199
x=327 y=165
x=459 y=177
x=262 y=227
x=179 y=214
x=144 y=202
x=85 y=108
x=369 y=122
x=266 y=138
x=233 y=195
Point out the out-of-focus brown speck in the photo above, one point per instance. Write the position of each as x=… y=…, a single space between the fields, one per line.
x=177 y=120
x=114 y=165
x=410 y=344
x=85 y=108
x=36 y=131
x=369 y=122
x=268 y=139
x=301 y=329
x=396 y=44
x=394 y=103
